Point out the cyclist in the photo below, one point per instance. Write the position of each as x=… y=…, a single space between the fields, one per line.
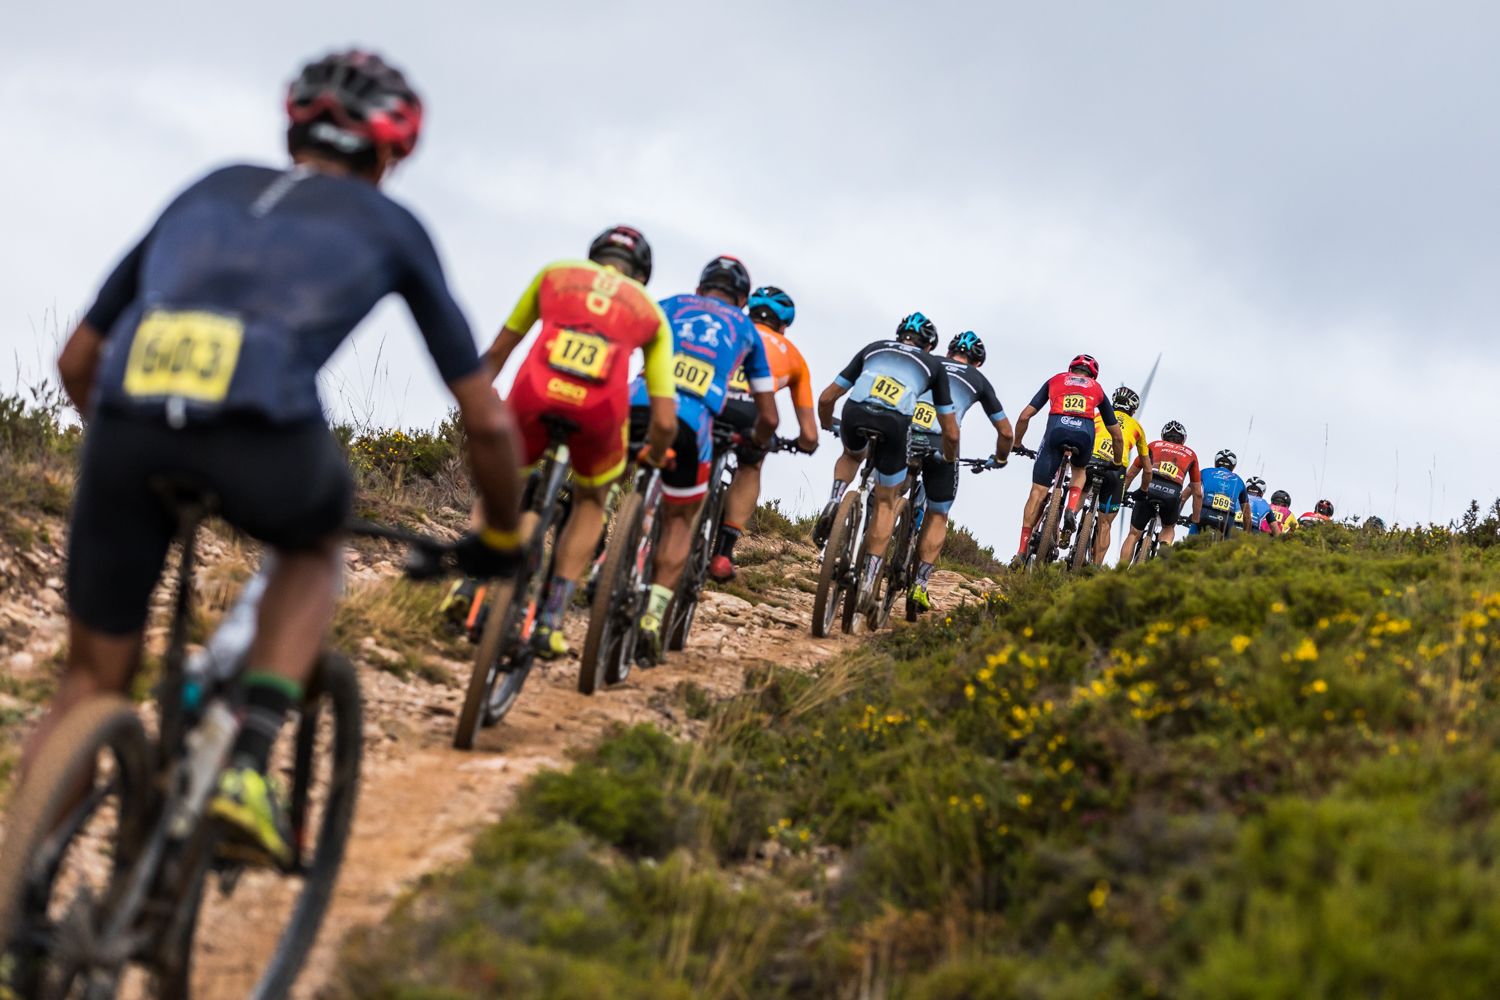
x=1259 y=506
x=255 y=275
x=1125 y=401
x=1223 y=491
x=714 y=338
x=772 y=311
x=884 y=381
x=1321 y=513
x=1073 y=398
x=1279 y=520
x=966 y=386
x=1173 y=470
x=594 y=314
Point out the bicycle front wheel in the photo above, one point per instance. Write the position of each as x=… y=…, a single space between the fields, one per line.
x=893 y=579
x=835 y=567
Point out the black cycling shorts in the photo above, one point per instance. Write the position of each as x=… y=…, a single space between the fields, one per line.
x=1161 y=497
x=939 y=477
x=1112 y=487
x=286 y=485
x=686 y=480
x=741 y=414
x=1049 y=454
x=859 y=419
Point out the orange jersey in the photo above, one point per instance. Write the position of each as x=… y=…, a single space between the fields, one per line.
x=788 y=370
x=593 y=317
x=1176 y=462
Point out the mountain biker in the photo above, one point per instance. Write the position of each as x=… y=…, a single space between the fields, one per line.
x=594 y=314
x=772 y=311
x=255 y=275
x=1279 y=520
x=1259 y=506
x=1223 y=492
x=884 y=381
x=1321 y=513
x=1172 y=471
x=1125 y=401
x=1073 y=399
x=966 y=386
x=714 y=338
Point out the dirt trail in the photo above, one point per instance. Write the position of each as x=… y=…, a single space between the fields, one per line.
x=421 y=802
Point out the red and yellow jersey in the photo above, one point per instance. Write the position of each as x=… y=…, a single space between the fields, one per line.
x=788 y=370
x=1130 y=430
x=1175 y=462
x=593 y=317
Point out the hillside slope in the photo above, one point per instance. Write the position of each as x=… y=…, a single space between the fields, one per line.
x=1262 y=769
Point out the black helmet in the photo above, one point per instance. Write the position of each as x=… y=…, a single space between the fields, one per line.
x=1174 y=432
x=625 y=244
x=1373 y=523
x=1256 y=486
x=1281 y=498
x=1225 y=459
x=1126 y=399
x=919 y=330
x=726 y=274
x=769 y=304
x=970 y=346
x=353 y=102
x=1324 y=507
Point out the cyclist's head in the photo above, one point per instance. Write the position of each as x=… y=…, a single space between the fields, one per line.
x=624 y=248
x=1373 y=523
x=1174 y=432
x=727 y=276
x=1084 y=364
x=1226 y=459
x=918 y=329
x=1126 y=399
x=773 y=307
x=353 y=109
x=969 y=345
x=1281 y=498
x=1324 y=507
x=1256 y=486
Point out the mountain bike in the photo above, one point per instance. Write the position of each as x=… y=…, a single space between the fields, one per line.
x=902 y=569
x=684 y=606
x=1043 y=543
x=108 y=841
x=838 y=572
x=1149 y=544
x=622 y=582
x=505 y=654
x=1082 y=553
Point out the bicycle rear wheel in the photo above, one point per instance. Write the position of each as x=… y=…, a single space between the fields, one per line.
x=610 y=643
x=486 y=663
x=684 y=606
x=1083 y=539
x=1047 y=545
x=72 y=830
x=835 y=567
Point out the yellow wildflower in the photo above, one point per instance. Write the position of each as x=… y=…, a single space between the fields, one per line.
x=1240 y=643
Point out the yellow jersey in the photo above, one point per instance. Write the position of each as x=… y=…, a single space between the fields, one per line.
x=1130 y=430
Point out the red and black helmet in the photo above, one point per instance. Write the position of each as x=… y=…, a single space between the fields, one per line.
x=1324 y=507
x=356 y=101
x=624 y=243
x=1085 y=361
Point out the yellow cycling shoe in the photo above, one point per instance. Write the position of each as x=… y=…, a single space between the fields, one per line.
x=246 y=804
x=920 y=597
x=550 y=643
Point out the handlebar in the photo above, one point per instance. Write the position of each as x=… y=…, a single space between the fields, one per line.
x=427 y=558
x=1021 y=450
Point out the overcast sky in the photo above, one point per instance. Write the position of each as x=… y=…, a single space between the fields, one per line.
x=1293 y=203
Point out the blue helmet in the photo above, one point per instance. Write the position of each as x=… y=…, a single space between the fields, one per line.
x=770 y=302
x=969 y=345
x=919 y=330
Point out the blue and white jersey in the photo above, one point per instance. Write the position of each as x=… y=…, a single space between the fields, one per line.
x=713 y=340
x=895 y=375
x=966 y=386
x=1259 y=508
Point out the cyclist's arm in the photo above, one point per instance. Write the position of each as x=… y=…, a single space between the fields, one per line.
x=521 y=320
x=1195 y=486
x=78 y=362
x=1030 y=410
x=766 y=417
x=1135 y=468
x=1112 y=424
x=800 y=386
x=1004 y=438
x=942 y=402
x=662 y=390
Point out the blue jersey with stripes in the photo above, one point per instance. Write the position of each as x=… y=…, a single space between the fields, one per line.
x=246 y=285
x=895 y=375
x=1259 y=508
x=966 y=387
x=1225 y=483
x=713 y=339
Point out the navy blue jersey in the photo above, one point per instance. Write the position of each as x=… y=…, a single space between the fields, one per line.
x=247 y=284
x=895 y=374
x=966 y=386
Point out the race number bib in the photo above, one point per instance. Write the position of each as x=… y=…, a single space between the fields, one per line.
x=1075 y=402
x=924 y=416
x=1170 y=470
x=888 y=390
x=187 y=354
x=1105 y=448
x=583 y=354
x=739 y=383
x=693 y=375
x=1221 y=502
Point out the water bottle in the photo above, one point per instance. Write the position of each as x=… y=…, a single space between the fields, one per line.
x=220 y=657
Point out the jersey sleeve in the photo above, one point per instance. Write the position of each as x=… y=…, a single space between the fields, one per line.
x=845 y=379
x=658 y=352
x=1043 y=397
x=119 y=289
x=529 y=308
x=1107 y=411
x=942 y=391
x=757 y=367
x=799 y=379
x=990 y=401
x=425 y=289
x=1195 y=470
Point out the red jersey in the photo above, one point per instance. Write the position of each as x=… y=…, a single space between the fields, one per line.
x=1176 y=462
x=1072 y=395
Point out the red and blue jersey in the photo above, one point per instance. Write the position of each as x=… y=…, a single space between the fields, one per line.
x=713 y=339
